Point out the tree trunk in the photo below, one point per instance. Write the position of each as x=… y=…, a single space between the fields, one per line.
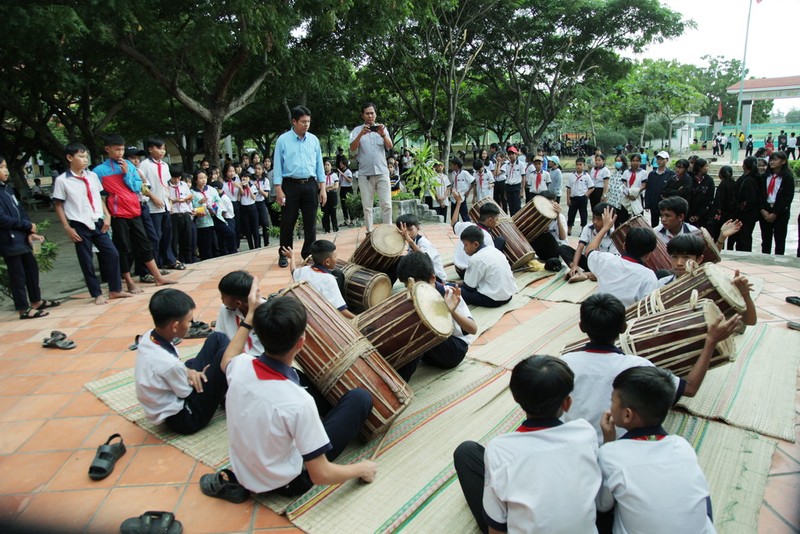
x=644 y=125
x=212 y=133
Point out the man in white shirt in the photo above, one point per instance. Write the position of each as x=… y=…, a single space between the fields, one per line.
x=371 y=141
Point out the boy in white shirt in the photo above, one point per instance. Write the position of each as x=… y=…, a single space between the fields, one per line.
x=450 y=352
x=484 y=181
x=322 y=274
x=488 y=218
x=180 y=197
x=227 y=246
x=579 y=189
x=575 y=258
x=537 y=180
x=156 y=172
x=672 y=212
x=488 y=280
x=543 y=477
x=183 y=396
x=408 y=225
x=653 y=478
x=234 y=288
x=441 y=192
x=463 y=182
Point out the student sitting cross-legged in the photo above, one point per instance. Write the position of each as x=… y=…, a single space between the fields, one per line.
x=543 y=477
x=322 y=274
x=278 y=440
x=488 y=280
x=233 y=289
x=653 y=477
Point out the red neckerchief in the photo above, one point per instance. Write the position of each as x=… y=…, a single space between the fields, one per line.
x=771 y=186
x=85 y=181
x=249 y=341
x=631 y=259
x=632 y=179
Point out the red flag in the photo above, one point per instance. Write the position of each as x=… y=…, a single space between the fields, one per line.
x=719 y=111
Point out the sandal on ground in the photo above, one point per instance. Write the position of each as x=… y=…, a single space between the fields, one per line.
x=152 y=523
x=196 y=332
x=106 y=457
x=178 y=266
x=793 y=300
x=163 y=272
x=48 y=304
x=794 y=325
x=58 y=342
x=57 y=334
x=32 y=313
x=201 y=324
x=147 y=279
x=223 y=485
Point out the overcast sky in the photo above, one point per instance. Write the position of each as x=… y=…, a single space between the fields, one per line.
x=721 y=24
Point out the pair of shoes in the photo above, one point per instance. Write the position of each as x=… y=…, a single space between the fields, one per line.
x=793 y=300
x=152 y=523
x=147 y=279
x=223 y=485
x=32 y=313
x=794 y=325
x=178 y=266
x=58 y=340
x=106 y=457
x=283 y=262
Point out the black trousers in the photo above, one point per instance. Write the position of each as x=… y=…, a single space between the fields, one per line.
x=205 y=242
x=472 y=296
x=107 y=254
x=446 y=355
x=182 y=236
x=131 y=241
x=545 y=246
x=743 y=239
x=577 y=205
x=567 y=254
x=514 y=200
x=329 y=219
x=199 y=408
x=23 y=279
x=596 y=197
x=263 y=220
x=345 y=192
x=301 y=197
x=150 y=230
x=775 y=230
x=471 y=470
x=163 y=225
x=227 y=240
x=249 y=225
x=500 y=195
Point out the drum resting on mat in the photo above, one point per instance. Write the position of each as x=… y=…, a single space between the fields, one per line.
x=337 y=358
x=381 y=250
x=363 y=288
x=407 y=324
x=535 y=217
x=518 y=250
x=658 y=259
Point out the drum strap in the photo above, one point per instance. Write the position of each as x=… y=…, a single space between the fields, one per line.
x=343 y=362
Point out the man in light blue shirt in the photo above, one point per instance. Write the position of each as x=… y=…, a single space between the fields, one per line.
x=299 y=181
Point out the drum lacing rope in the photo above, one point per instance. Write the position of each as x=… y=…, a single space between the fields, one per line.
x=360 y=348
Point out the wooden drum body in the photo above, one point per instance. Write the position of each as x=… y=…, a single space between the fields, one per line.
x=535 y=217
x=518 y=250
x=337 y=358
x=711 y=282
x=659 y=259
x=363 y=288
x=407 y=324
x=380 y=251
x=710 y=251
x=674 y=339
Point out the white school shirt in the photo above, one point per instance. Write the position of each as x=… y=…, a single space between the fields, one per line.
x=228 y=323
x=774 y=195
x=324 y=282
x=638 y=181
x=460 y=257
x=579 y=185
x=244 y=198
x=599 y=175
x=264 y=183
x=490 y=274
x=542 y=480
x=621 y=276
x=177 y=192
x=553 y=228
x=226 y=206
x=331 y=179
x=157 y=175
x=513 y=172
x=606 y=245
x=162 y=380
x=530 y=180
x=665 y=235
x=658 y=486
x=463 y=309
x=595 y=371
x=231 y=190
x=428 y=248
x=346 y=178
x=442 y=182
x=462 y=181
x=273 y=424
x=71 y=190
x=484 y=183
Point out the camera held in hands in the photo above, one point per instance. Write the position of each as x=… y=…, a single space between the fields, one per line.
x=374 y=128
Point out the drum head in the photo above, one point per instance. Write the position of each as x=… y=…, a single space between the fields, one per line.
x=726 y=347
x=711 y=246
x=387 y=240
x=544 y=206
x=431 y=307
x=720 y=279
x=379 y=289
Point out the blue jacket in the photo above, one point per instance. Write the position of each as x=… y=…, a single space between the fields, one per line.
x=15 y=226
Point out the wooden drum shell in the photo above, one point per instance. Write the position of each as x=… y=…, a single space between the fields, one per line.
x=518 y=250
x=658 y=259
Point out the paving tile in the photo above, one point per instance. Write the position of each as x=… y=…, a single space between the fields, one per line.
x=13 y=505
x=770 y=522
x=67 y=511
x=15 y=433
x=202 y=514
x=33 y=407
x=21 y=384
x=123 y=503
x=266 y=518
x=781 y=495
x=67 y=382
x=61 y=434
x=84 y=403
x=782 y=463
x=25 y=473
x=115 y=424
x=158 y=464
x=99 y=361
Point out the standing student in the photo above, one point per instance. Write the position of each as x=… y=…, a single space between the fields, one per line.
x=274 y=215
x=554 y=168
x=205 y=202
x=488 y=280
x=181 y=214
x=701 y=201
x=232 y=185
x=484 y=181
x=748 y=151
x=635 y=182
x=579 y=188
x=514 y=172
x=679 y=183
x=440 y=190
x=777 y=192
x=17 y=234
x=748 y=205
x=657 y=181
x=329 y=219
x=600 y=175
x=262 y=189
x=249 y=212
x=156 y=171
x=462 y=182
x=225 y=223
x=370 y=141
x=497 y=168
x=537 y=180
x=345 y=188
x=724 y=202
x=86 y=221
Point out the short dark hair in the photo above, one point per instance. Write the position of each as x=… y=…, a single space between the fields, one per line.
x=457 y=162
x=409 y=219
x=369 y=104
x=279 y=323
x=477 y=164
x=648 y=391
x=580 y=159
x=153 y=141
x=640 y=241
x=73 y=148
x=600 y=207
x=321 y=250
x=176 y=169
x=472 y=234
x=600 y=155
x=416 y=265
x=683 y=163
x=300 y=111
x=602 y=317
x=676 y=204
x=687 y=244
x=113 y=139
x=236 y=284
x=489 y=209
x=540 y=384
x=167 y=305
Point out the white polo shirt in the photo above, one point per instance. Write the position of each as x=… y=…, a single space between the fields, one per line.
x=484 y=183
x=231 y=190
x=490 y=274
x=264 y=183
x=177 y=192
x=460 y=257
x=71 y=190
x=595 y=368
x=244 y=198
x=162 y=381
x=226 y=206
x=441 y=182
x=462 y=182
x=606 y=245
x=513 y=172
x=530 y=180
x=462 y=309
x=427 y=247
x=542 y=478
x=657 y=485
x=579 y=185
x=228 y=323
x=157 y=175
x=639 y=179
x=665 y=235
x=323 y=281
x=273 y=423
x=599 y=176
x=621 y=276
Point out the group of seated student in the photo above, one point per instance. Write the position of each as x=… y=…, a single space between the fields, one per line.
x=592 y=441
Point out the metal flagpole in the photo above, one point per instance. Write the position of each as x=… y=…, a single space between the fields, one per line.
x=735 y=146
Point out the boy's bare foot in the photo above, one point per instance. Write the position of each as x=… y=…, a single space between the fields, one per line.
x=578 y=278
x=133 y=288
x=591 y=277
x=123 y=294
x=161 y=281
x=100 y=299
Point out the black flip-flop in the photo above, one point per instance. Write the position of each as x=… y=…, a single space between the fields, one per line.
x=152 y=523
x=49 y=304
x=32 y=313
x=56 y=334
x=223 y=485
x=793 y=300
x=58 y=343
x=106 y=457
